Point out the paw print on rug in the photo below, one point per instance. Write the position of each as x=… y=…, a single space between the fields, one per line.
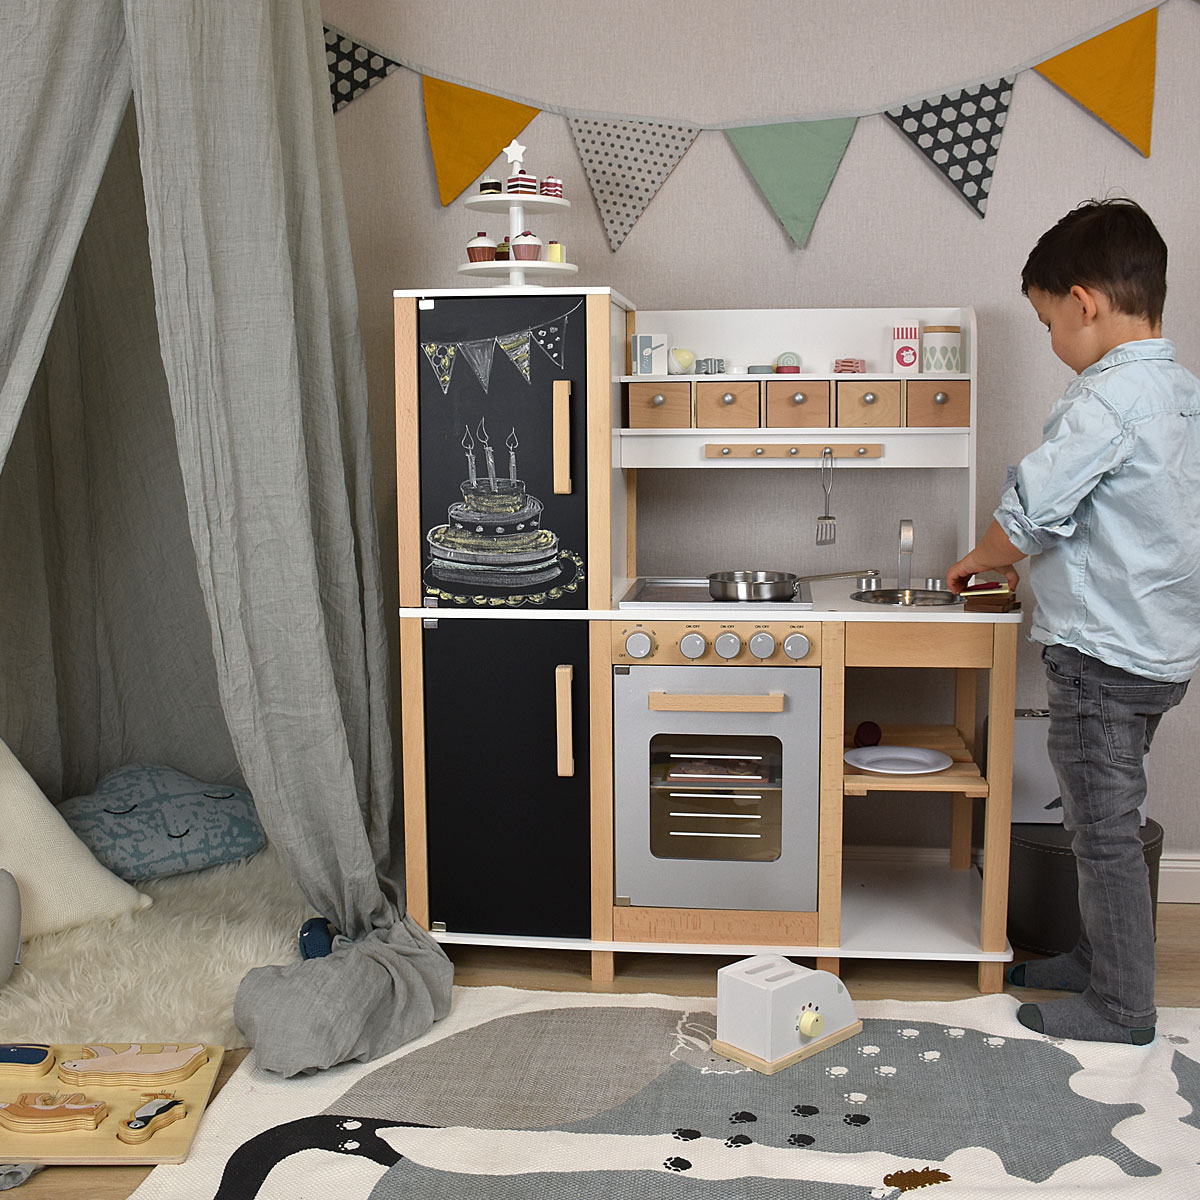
x=349 y=1144
x=909 y=1033
x=930 y=1055
x=868 y=1051
x=742 y=1118
x=837 y=1072
x=886 y=1071
x=739 y=1139
x=994 y=1042
x=856 y=1120
x=805 y=1110
x=685 y=1135
x=801 y=1139
x=677 y=1164
x=955 y=1032
x=855 y=1097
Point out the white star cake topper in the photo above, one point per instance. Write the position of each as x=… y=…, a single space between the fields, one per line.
x=515 y=152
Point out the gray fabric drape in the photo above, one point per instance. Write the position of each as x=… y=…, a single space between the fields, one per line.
x=259 y=352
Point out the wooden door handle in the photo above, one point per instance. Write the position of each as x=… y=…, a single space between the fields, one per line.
x=562 y=437
x=772 y=702
x=564 y=722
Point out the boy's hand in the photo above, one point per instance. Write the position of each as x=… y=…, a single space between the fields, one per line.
x=994 y=553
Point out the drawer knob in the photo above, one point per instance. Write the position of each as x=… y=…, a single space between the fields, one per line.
x=798 y=397
x=724 y=449
x=728 y=398
x=869 y=397
x=793 y=450
x=758 y=450
x=861 y=451
x=940 y=397
x=658 y=399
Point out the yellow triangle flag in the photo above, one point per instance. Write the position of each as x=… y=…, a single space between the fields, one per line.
x=467 y=129
x=1112 y=76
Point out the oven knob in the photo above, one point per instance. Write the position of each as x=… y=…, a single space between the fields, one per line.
x=796 y=645
x=639 y=645
x=728 y=645
x=762 y=645
x=692 y=645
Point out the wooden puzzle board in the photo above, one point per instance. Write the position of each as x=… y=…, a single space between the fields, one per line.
x=101 y=1146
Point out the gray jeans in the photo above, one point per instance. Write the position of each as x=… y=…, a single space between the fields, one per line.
x=1102 y=720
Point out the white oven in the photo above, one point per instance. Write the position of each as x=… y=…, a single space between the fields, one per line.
x=716 y=741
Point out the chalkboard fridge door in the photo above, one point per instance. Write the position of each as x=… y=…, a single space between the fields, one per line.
x=506 y=712
x=502 y=380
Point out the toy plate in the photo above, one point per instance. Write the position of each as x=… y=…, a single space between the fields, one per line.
x=898 y=760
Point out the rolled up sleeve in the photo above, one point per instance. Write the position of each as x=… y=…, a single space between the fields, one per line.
x=1085 y=440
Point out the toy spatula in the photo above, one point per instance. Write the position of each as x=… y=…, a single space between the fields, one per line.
x=826 y=525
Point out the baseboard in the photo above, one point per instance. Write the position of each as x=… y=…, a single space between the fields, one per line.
x=1178 y=874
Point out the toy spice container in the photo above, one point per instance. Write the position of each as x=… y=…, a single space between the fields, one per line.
x=556 y=252
x=481 y=248
x=941 y=348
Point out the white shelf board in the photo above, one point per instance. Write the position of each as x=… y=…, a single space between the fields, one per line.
x=788 y=376
x=501 y=202
x=926 y=447
x=894 y=909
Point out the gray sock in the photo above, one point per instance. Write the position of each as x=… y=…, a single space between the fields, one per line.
x=1062 y=973
x=1073 y=1017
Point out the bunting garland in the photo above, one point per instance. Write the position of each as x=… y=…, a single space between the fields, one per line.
x=627 y=159
x=959 y=132
x=626 y=162
x=549 y=337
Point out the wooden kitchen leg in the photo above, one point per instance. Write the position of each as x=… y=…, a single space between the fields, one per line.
x=997 y=825
x=963 y=807
x=832 y=965
x=602 y=966
x=962 y=812
x=991 y=977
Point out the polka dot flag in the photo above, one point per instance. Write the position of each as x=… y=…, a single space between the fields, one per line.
x=353 y=67
x=626 y=162
x=959 y=132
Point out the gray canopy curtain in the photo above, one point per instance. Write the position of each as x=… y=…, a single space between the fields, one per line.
x=188 y=559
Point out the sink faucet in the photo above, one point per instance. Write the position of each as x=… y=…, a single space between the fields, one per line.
x=904 y=561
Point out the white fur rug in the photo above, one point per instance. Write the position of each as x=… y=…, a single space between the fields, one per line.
x=166 y=974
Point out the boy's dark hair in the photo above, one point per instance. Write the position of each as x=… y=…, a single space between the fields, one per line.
x=1109 y=245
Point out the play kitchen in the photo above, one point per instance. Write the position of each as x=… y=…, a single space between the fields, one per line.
x=601 y=756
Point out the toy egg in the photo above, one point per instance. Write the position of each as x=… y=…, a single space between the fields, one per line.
x=679 y=361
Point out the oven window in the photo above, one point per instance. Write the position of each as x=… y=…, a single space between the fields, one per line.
x=716 y=797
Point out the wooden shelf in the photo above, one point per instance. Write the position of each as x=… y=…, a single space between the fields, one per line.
x=962 y=777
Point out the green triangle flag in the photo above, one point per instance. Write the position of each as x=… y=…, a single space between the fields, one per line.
x=794 y=165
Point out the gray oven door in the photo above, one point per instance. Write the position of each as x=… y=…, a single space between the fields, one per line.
x=717 y=809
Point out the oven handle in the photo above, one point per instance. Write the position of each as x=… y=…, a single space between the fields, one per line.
x=772 y=702
x=563 y=718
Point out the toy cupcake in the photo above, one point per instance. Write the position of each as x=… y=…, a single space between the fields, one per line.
x=502 y=249
x=526 y=246
x=481 y=248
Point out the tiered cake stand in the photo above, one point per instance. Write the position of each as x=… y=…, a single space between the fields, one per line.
x=516 y=205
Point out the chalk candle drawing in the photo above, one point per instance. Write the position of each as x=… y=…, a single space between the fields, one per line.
x=43 y=1112
x=493 y=538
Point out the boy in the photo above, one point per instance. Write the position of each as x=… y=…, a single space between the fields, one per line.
x=1108 y=508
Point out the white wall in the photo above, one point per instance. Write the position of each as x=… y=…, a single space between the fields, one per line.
x=891 y=232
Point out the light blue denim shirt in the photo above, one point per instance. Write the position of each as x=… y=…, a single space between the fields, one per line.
x=1108 y=508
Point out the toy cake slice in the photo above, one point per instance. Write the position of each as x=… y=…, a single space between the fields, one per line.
x=106 y=1066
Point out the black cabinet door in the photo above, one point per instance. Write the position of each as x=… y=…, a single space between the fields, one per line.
x=494 y=531
x=508 y=837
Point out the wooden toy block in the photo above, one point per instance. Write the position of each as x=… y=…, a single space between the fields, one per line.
x=24 y=1060
x=43 y=1112
x=105 y=1066
x=147 y=1119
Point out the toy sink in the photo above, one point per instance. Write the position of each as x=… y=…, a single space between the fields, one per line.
x=772 y=1012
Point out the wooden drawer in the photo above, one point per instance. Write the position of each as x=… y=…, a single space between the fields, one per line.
x=798 y=404
x=862 y=402
x=727 y=404
x=938 y=402
x=912 y=644
x=660 y=405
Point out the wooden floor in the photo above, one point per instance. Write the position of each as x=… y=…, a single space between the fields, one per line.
x=1178 y=986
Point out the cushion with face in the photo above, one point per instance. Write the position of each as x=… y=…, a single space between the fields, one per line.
x=146 y=822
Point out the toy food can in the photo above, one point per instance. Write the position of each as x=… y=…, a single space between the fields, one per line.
x=941 y=348
x=556 y=252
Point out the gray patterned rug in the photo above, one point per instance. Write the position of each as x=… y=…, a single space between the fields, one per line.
x=557 y=1096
